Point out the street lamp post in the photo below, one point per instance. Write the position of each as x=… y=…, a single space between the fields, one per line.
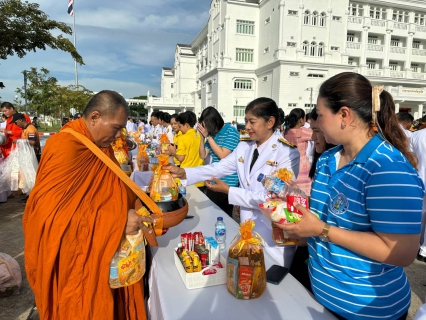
x=236 y=111
x=25 y=90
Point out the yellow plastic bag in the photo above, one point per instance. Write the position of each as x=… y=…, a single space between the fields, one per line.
x=246 y=273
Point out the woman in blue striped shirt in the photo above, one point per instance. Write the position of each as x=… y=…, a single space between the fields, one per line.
x=369 y=200
x=220 y=140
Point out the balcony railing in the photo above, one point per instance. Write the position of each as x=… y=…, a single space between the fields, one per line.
x=421 y=28
x=418 y=76
x=419 y=52
x=375 y=47
x=353 y=45
x=397 y=74
x=357 y=20
x=378 y=23
x=176 y=101
x=375 y=73
x=401 y=26
x=398 y=50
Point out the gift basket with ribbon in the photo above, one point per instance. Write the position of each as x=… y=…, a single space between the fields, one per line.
x=142 y=158
x=246 y=273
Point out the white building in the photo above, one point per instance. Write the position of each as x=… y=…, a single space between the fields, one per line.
x=284 y=49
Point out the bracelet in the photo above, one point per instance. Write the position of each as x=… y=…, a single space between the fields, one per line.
x=207 y=138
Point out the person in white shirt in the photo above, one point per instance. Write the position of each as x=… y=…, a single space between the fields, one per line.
x=310 y=149
x=157 y=127
x=130 y=126
x=405 y=120
x=141 y=124
x=418 y=146
x=165 y=118
x=234 y=124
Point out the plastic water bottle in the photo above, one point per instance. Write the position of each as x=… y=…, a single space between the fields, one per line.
x=220 y=232
x=113 y=270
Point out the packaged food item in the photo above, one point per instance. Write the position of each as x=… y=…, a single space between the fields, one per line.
x=162 y=179
x=164 y=142
x=128 y=264
x=142 y=158
x=246 y=274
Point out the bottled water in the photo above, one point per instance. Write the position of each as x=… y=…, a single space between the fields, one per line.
x=220 y=232
x=113 y=270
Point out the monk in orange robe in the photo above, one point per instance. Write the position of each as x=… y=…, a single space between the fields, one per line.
x=12 y=131
x=74 y=220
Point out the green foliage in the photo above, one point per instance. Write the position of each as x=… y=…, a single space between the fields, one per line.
x=46 y=97
x=23 y=28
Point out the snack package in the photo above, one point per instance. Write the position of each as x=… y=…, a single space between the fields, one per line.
x=246 y=274
x=162 y=186
x=120 y=148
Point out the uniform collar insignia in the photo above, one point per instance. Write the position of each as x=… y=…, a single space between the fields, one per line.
x=272 y=163
x=274 y=146
x=285 y=142
x=241 y=160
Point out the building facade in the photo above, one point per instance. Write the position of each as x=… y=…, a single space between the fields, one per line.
x=284 y=49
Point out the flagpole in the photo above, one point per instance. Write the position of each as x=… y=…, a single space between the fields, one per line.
x=75 y=46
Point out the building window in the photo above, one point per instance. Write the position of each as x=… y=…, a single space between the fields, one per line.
x=393 y=66
x=305 y=47
x=266 y=50
x=294 y=74
x=244 y=55
x=291 y=44
x=351 y=61
x=371 y=64
x=307 y=17
x=245 y=27
x=171 y=85
x=265 y=79
x=313 y=48
x=309 y=106
x=419 y=19
x=314 y=18
x=243 y=84
x=350 y=37
x=416 y=44
x=209 y=87
x=322 y=19
x=292 y=105
x=400 y=16
x=394 y=42
x=377 y=13
x=372 y=39
x=415 y=67
x=239 y=111
x=315 y=75
x=171 y=96
x=267 y=20
x=355 y=9
x=292 y=13
x=337 y=18
x=320 y=49
x=334 y=48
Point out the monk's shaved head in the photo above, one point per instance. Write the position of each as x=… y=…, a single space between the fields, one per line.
x=107 y=103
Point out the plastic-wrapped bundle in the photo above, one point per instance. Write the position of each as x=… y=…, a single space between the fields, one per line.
x=18 y=170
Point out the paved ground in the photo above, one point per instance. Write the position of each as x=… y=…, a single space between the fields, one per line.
x=19 y=307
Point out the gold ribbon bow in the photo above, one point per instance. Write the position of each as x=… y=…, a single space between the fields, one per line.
x=248 y=236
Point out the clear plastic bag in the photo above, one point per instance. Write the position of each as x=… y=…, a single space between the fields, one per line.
x=10 y=276
x=18 y=170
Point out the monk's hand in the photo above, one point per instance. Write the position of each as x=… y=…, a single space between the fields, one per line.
x=135 y=222
x=175 y=171
x=309 y=226
x=220 y=186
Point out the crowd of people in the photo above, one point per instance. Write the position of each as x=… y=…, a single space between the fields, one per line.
x=362 y=165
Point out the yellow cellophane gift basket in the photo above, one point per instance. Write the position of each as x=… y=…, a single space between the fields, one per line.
x=246 y=273
x=162 y=181
x=142 y=158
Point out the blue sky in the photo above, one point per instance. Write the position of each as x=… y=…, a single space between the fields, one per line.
x=124 y=44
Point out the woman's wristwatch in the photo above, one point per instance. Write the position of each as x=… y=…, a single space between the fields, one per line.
x=324 y=234
x=207 y=138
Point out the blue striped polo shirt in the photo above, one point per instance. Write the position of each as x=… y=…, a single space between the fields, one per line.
x=228 y=137
x=379 y=191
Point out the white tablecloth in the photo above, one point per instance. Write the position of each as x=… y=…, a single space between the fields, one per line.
x=169 y=298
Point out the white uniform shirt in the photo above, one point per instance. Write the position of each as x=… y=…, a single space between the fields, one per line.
x=158 y=129
x=251 y=193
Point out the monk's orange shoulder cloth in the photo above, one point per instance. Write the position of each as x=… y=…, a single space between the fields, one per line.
x=73 y=223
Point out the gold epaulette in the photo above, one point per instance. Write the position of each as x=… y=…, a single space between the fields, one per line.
x=285 y=142
x=245 y=139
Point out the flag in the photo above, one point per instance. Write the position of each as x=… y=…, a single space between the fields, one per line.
x=71 y=7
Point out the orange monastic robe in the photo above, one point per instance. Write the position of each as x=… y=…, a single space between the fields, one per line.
x=73 y=222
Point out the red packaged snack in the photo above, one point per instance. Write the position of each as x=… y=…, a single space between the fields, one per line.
x=296 y=199
x=209 y=271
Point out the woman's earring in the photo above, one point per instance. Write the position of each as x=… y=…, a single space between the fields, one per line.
x=343 y=126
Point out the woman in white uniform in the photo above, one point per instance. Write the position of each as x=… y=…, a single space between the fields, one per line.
x=265 y=153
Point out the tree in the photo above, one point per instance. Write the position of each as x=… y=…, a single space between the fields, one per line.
x=138 y=109
x=23 y=28
x=41 y=91
x=72 y=97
